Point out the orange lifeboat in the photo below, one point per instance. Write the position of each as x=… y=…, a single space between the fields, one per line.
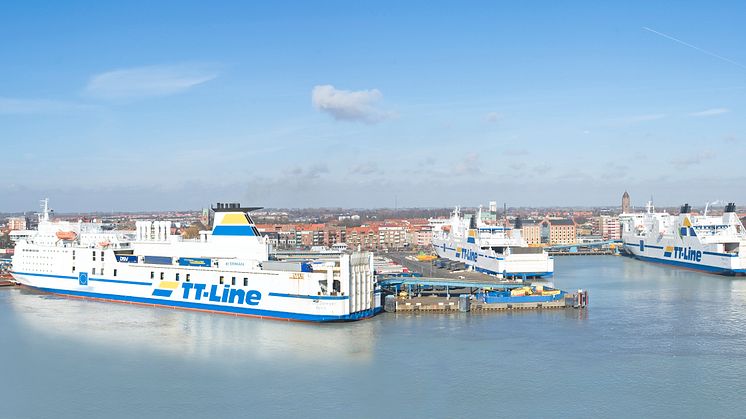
x=104 y=244
x=67 y=235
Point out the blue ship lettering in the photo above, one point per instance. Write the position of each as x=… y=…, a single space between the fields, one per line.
x=217 y=295
x=687 y=253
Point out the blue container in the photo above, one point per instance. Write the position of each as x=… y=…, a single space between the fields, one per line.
x=158 y=260
x=204 y=262
x=126 y=258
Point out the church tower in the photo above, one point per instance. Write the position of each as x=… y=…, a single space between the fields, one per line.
x=625 y=203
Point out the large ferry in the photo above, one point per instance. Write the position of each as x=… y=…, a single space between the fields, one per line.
x=715 y=244
x=491 y=249
x=227 y=270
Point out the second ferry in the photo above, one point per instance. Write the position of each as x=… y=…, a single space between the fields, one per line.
x=491 y=249
x=715 y=244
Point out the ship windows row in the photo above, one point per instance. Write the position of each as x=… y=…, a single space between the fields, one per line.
x=188 y=278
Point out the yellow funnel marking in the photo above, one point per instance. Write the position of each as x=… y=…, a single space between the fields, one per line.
x=234 y=219
x=687 y=223
x=169 y=285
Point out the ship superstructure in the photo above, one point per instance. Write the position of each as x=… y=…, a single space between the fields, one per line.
x=228 y=269
x=715 y=244
x=490 y=248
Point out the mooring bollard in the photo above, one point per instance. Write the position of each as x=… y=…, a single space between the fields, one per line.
x=464 y=303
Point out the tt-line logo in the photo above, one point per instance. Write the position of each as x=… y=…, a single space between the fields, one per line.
x=226 y=295
x=683 y=253
x=467 y=254
x=215 y=294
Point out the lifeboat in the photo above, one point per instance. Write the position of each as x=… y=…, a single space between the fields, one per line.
x=67 y=235
x=104 y=244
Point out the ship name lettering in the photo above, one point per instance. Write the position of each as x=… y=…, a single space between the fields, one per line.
x=687 y=253
x=469 y=255
x=224 y=295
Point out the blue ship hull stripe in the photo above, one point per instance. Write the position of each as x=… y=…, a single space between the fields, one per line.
x=729 y=255
x=310 y=297
x=695 y=266
x=283 y=315
x=115 y=281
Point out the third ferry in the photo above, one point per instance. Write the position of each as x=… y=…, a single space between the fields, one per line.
x=715 y=244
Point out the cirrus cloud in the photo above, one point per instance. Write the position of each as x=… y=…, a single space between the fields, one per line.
x=147 y=81
x=349 y=105
x=710 y=112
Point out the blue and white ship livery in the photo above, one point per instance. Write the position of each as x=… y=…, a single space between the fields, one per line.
x=715 y=244
x=227 y=270
x=491 y=249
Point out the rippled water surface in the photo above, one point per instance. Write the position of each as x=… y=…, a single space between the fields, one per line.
x=655 y=342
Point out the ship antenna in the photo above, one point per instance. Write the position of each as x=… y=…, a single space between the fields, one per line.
x=715 y=202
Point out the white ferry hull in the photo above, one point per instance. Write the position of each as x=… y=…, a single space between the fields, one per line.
x=510 y=266
x=264 y=304
x=227 y=270
x=687 y=257
x=714 y=244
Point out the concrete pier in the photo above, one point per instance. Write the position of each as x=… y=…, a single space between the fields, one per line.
x=456 y=304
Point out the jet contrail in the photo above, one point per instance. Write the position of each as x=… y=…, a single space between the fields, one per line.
x=712 y=54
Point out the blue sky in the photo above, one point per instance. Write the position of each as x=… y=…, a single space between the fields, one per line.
x=176 y=105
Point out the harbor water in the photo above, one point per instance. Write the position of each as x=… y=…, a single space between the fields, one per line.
x=654 y=342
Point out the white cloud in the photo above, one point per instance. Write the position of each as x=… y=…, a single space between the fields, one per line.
x=688 y=161
x=469 y=165
x=710 y=112
x=731 y=139
x=347 y=105
x=156 y=80
x=493 y=117
x=515 y=152
x=38 y=106
x=312 y=172
x=367 y=168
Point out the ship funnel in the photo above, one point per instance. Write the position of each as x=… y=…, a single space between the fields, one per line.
x=518 y=223
x=731 y=207
x=686 y=209
x=473 y=221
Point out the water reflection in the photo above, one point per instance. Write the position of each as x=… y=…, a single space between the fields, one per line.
x=188 y=334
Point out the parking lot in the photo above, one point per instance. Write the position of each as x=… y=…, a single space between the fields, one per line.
x=428 y=268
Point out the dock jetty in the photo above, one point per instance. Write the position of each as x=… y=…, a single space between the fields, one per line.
x=416 y=293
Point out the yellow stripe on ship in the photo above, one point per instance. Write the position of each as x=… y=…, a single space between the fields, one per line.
x=234 y=219
x=169 y=285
